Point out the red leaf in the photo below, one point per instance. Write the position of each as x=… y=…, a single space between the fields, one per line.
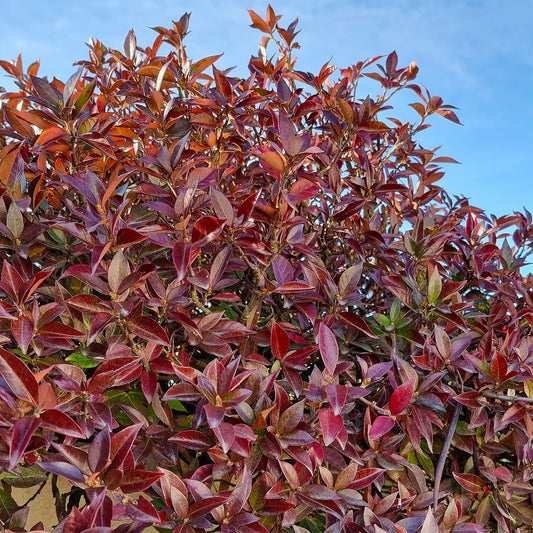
x=198 y=67
x=141 y=510
x=364 y=477
x=320 y=492
x=225 y=434
x=147 y=328
x=381 y=426
x=203 y=507
x=239 y=494
x=503 y=473
x=128 y=236
x=12 y=280
x=330 y=424
x=498 y=367
x=443 y=342
x=61 y=423
x=181 y=254
x=279 y=341
x=98 y=323
x=392 y=63
x=138 y=480
x=337 y=395
x=291 y=417
x=218 y=266
x=402 y=396
x=98 y=141
x=119 y=268
x=223 y=85
x=222 y=206
x=258 y=22
x=292 y=287
x=329 y=349
x=206 y=230
x=50 y=134
x=470 y=482
x=450 y=115
x=99 y=451
x=287 y=134
x=121 y=444
x=59 y=330
x=19 y=377
x=22 y=331
x=31 y=285
x=22 y=432
x=130 y=45
x=87 y=303
x=354 y=320
x=246 y=208
x=192 y=440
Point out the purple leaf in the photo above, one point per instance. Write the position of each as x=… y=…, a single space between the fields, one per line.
x=181 y=254
x=142 y=510
x=138 y=480
x=337 y=395
x=329 y=349
x=147 y=328
x=18 y=377
x=192 y=440
x=22 y=432
x=365 y=477
x=99 y=451
x=121 y=444
x=354 y=320
x=22 y=331
x=66 y=470
x=214 y=414
x=61 y=423
x=292 y=287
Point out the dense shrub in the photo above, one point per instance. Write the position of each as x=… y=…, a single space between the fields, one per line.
x=246 y=305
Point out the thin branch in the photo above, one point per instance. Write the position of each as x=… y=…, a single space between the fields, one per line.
x=444 y=454
x=490 y=394
x=376 y=407
x=504 y=397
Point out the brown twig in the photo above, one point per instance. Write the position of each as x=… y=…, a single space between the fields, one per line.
x=376 y=407
x=490 y=394
x=444 y=454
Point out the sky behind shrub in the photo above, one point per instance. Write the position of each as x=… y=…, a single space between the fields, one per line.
x=475 y=55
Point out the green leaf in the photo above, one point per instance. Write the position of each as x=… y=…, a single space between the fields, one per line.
x=395 y=309
x=29 y=477
x=77 y=359
x=382 y=320
x=176 y=405
x=434 y=286
x=7 y=505
x=84 y=96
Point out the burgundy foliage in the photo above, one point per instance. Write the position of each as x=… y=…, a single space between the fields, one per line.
x=246 y=305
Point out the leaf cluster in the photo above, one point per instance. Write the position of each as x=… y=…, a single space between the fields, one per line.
x=247 y=305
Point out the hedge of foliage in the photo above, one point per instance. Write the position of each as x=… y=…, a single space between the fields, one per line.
x=246 y=305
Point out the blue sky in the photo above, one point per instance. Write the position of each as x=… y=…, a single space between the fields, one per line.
x=475 y=54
